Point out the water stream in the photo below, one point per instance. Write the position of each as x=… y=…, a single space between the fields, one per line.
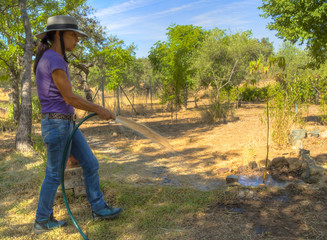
x=254 y=181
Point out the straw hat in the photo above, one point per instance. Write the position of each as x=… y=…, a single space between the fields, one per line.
x=61 y=23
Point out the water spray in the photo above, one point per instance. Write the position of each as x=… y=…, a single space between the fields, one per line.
x=147 y=132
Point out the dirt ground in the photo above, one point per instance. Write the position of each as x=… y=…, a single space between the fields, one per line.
x=204 y=155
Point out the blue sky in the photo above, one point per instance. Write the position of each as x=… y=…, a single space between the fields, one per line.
x=144 y=22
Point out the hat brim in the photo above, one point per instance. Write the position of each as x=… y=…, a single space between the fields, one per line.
x=80 y=33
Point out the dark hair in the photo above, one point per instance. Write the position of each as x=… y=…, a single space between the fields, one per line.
x=44 y=45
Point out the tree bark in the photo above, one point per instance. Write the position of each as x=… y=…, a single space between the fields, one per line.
x=84 y=74
x=23 y=136
x=185 y=95
x=86 y=88
x=14 y=75
x=14 y=79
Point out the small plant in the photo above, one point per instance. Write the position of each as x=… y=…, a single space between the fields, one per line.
x=217 y=111
x=39 y=146
x=252 y=93
x=36 y=109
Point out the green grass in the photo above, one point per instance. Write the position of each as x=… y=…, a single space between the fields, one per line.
x=150 y=212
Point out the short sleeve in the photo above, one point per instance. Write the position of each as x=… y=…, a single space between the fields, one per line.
x=57 y=62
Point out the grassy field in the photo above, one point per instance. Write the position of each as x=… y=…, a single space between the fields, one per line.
x=150 y=212
x=170 y=196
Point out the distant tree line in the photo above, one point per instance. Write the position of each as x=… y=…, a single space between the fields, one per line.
x=226 y=65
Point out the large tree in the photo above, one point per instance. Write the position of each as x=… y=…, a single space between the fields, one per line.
x=11 y=53
x=23 y=136
x=302 y=21
x=85 y=55
x=172 y=60
x=112 y=61
x=223 y=59
x=19 y=19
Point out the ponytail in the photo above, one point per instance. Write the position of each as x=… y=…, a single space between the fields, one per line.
x=42 y=47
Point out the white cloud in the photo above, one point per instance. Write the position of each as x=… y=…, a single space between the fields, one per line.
x=116 y=23
x=233 y=14
x=176 y=9
x=123 y=7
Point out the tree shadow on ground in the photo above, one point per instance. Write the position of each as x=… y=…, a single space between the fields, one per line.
x=314 y=119
x=291 y=213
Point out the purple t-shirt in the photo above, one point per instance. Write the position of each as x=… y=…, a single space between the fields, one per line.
x=50 y=98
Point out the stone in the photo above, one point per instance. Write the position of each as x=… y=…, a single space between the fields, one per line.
x=231 y=179
x=297 y=145
x=305 y=156
x=315 y=170
x=279 y=163
x=324 y=179
x=242 y=169
x=79 y=191
x=234 y=184
x=253 y=165
x=74 y=181
x=222 y=170
x=314 y=133
x=313 y=179
x=295 y=164
x=74 y=177
x=305 y=174
x=296 y=135
x=323 y=134
x=263 y=163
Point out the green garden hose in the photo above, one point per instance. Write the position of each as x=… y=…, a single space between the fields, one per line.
x=125 y=122
x=64 y=160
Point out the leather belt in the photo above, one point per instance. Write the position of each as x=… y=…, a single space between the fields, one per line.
x=70 y=117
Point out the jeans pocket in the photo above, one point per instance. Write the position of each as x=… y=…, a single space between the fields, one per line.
x=55 y=130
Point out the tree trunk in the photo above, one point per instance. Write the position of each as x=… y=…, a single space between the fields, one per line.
x=85 y=73
x=185 y=95
x=15 y=77
x=86 y=88
x=23 y=135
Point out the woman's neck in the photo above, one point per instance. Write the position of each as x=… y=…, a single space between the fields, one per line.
x=57 y=48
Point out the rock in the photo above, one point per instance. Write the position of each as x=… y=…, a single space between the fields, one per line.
x=324 y=179
x=74 y=177
x=222 y=170
x=263 y=163
x=323 y=134
x=114 y=134
x=313 y=179
x=297 y=145
x=74 y=180
x=296 y=135
x=305 y=174
x=305 y=156
x=242 y=169
x=234 y=184
x=79 y=191
x=231 y=179
x=279 y=162
x=253 y=165
x=295 y=164
x=314 y=133
x=315 y=170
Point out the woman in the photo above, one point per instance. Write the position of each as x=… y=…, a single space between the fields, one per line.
x=57 y=110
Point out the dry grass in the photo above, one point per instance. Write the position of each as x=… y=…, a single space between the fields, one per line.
x=134 y=174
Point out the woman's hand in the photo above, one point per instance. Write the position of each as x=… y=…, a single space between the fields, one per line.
x=105 y=114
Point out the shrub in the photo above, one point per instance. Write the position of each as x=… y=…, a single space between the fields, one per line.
x=253 y=94
x=217 y=111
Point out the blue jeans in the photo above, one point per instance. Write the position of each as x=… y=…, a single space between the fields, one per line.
x=55 y=133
